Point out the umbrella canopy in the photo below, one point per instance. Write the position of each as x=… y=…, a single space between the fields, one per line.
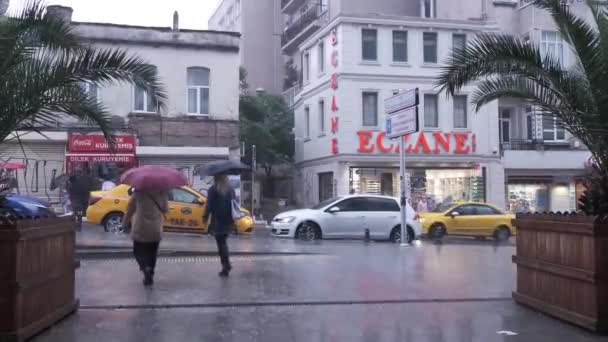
x=222 y=167
x=12 y=166
x=154 y=178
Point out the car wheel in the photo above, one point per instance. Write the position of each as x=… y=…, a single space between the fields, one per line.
x=502 y=234
x=396 y=235
x=308 y=231
x=113 y=223
x=437 y=231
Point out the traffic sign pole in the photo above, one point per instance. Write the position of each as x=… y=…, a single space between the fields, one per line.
x=403 y=195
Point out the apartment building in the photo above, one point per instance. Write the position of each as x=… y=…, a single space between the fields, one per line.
x=200 y=71
x=352 y=55
x=260 y=24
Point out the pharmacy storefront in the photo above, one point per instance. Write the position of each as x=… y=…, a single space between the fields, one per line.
x=441 y=167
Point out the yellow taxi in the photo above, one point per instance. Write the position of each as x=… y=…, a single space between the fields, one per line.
x=467 y=218
x=186 y=209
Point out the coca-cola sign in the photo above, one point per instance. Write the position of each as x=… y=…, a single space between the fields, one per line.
x=97 y=143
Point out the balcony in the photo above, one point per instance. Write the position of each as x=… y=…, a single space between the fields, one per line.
x=297 y=31
x=290 y=6
x=290 y=95
x=535 y=145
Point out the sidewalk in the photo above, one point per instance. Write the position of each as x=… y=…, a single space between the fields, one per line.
x=345 y=291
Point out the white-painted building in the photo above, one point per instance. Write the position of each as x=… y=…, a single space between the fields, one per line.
x=503 y=154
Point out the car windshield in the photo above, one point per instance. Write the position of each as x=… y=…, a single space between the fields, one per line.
x=443 y=207
x=325 y=203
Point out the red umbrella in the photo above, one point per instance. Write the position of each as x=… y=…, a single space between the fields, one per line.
x=12 y=166
x=154 y=178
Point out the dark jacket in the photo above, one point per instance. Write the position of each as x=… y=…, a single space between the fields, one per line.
x=79 y=188
x=219 y=208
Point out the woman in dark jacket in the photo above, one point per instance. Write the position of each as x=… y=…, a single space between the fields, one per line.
x=219 y=207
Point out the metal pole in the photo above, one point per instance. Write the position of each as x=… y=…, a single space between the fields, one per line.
x=253 y=169
x=403 y=194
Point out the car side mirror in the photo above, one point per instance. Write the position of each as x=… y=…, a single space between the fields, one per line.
x=334 y=210
x=454 y=214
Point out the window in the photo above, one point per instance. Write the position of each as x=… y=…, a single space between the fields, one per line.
x=307 y=123
x=431 y=113
x=552 y=129
x=198 y=91
x=400 y=46
x=370 y=109
x=552 y=44
x=505 y=125
x=321 y=58
x=382 y=204
x=353 y=204
x=465 y=210
x=430 y=47
x=459 y=41
x=529 y=123
x=143 y=101
x=370 y=45
x=91 y=90
x=460 y=111
x=182 y=196
x=306 y=67
x=429 y=8
x=485 y=210
x=322 y=116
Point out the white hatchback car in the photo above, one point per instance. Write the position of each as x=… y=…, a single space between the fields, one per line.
x=348 y=217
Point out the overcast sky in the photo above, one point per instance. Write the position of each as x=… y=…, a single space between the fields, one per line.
x=193 y=14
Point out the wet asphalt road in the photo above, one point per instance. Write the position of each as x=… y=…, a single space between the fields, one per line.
x=459 y=290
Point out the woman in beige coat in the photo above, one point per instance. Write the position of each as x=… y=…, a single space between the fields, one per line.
x=146 y=212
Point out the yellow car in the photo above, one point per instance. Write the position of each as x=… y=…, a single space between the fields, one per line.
x=186 y=209
x=472 y=219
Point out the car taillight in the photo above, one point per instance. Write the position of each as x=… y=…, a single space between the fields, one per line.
x=416 y=217
x=93 y=200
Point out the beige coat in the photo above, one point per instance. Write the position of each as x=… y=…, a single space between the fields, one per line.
x=146 y=217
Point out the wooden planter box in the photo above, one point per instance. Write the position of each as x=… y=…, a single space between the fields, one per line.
x=562 y=268
x=37 y=269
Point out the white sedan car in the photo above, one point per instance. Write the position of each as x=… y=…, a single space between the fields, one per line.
x=348 y=217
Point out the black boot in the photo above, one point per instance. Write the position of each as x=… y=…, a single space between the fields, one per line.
x=148 y=276
x=225 y=271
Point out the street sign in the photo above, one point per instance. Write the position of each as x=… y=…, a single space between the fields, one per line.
x=401 y=101
x=402 y=123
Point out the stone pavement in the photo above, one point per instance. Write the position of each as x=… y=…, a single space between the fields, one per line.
x=324 y=291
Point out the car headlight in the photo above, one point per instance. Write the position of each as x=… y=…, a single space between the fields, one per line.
x=287 y=219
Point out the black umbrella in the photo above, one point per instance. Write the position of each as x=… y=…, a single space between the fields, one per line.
x=222 y=167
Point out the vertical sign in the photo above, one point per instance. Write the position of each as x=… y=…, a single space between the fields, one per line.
x=333 y=37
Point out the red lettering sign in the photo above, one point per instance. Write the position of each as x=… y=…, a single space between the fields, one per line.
x=334 y=103
x=334 y=124
x=107 y=158
x=334 y=145
x=441 y=141
x=334 y=81
x=96 y=143
x=364 y=142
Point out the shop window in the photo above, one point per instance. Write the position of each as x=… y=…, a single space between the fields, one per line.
x=528 y=197
x=400 y=46
x=431 y=112
x=326 y=186
x=369 y=42
x=198 y=91
x=370 y=109
x=430 y=47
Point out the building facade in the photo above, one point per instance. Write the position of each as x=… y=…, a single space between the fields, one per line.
x=354 y=55
x=260 y=25
x=200 y=71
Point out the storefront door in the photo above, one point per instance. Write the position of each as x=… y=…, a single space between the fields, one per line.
x=326 y=186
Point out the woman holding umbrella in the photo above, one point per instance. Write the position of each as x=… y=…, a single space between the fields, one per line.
x=221 y=206
x=147 y=207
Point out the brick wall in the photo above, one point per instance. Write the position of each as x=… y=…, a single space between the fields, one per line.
x=185 y=131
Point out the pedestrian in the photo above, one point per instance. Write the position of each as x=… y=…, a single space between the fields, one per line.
x=145 y=213
x=79 y=187
x=219 y=208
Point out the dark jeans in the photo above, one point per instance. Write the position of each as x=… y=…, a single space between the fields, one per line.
x=222 y=248
x=145 y=253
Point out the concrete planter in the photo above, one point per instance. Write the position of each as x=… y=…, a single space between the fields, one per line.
x=562 y=268
x=37 y=271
